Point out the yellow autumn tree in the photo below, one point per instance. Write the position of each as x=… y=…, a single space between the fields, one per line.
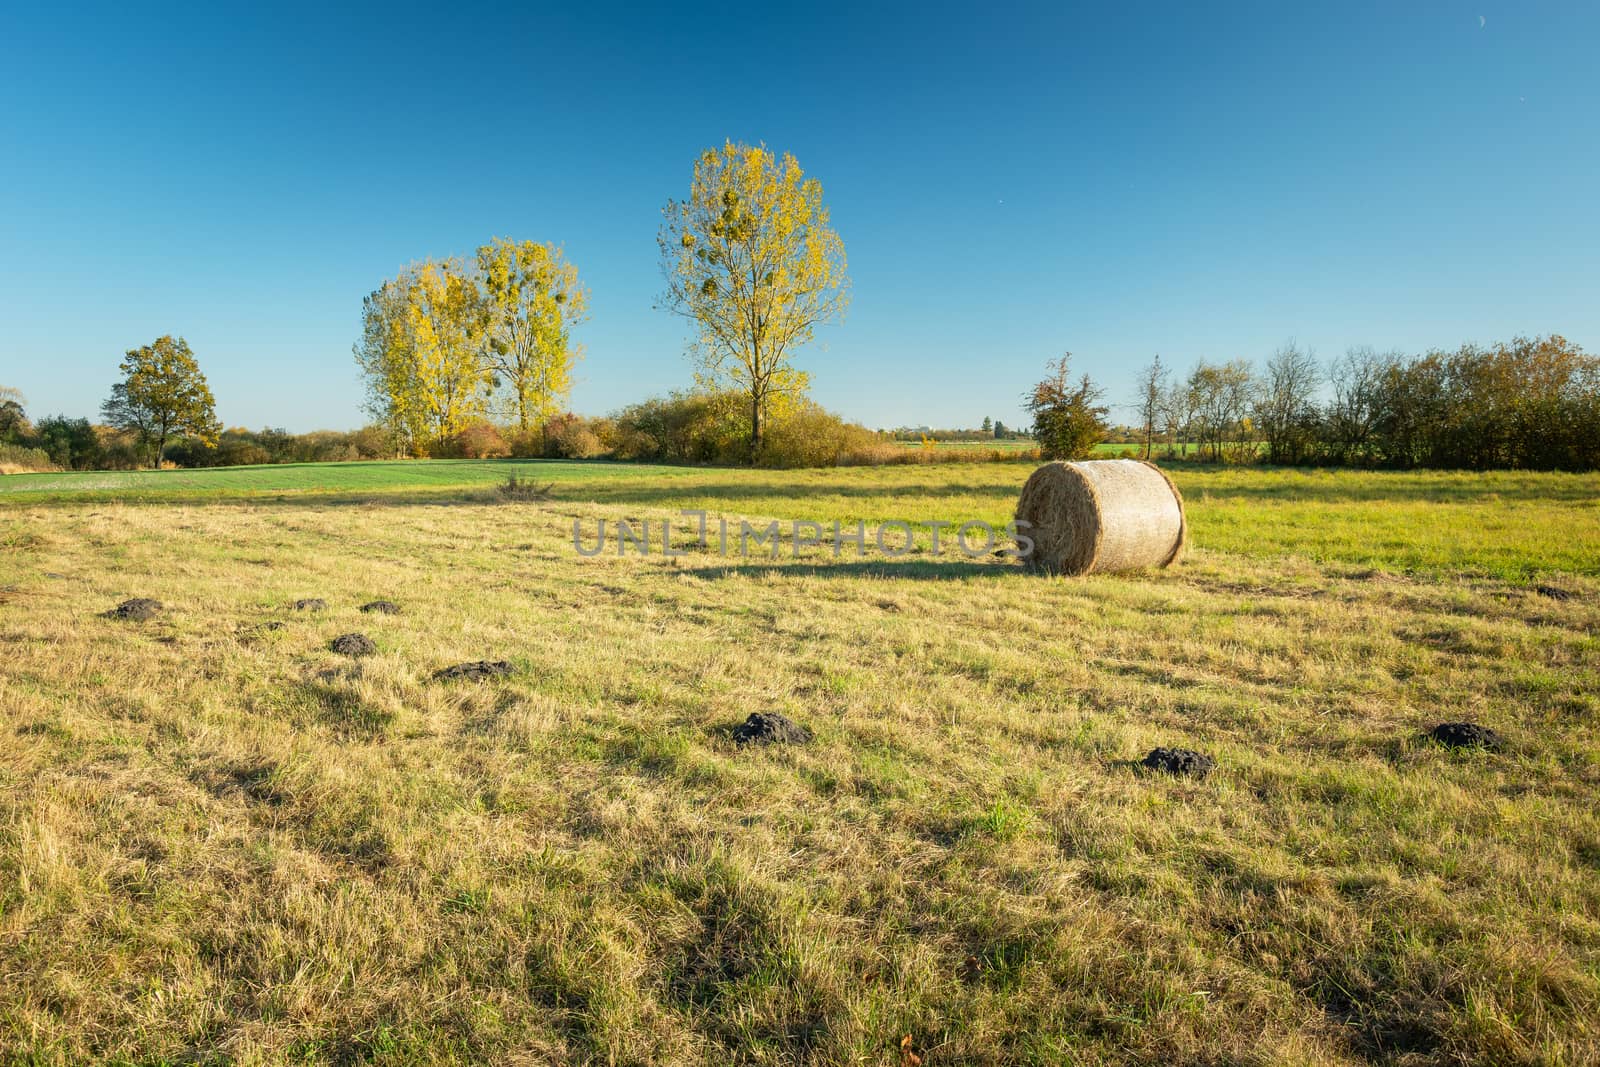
x=751 y=259
x=383 y=354
x=421 y=351
x=531 y=300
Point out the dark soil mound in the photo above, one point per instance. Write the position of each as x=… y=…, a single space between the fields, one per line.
x=1466 y=735
x=768 y=728
x=138 y=609
x=310 y=604
x=1179 y=761
x=353 y=645
x=1555 y=593
x=477 y=670
x=381 y=607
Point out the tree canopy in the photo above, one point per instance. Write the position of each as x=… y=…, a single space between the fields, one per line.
x=531 y=299
x=1068 y=418
x=751 y=258
x=439 y=340
x=163 y=393
x=14 y=423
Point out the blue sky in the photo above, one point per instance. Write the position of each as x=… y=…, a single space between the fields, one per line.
x=1118 y=180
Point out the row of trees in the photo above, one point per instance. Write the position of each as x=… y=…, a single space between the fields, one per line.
x=446 y=343
x=162 y=397
x=66 y=443
x=1529 y=403
x=988 y=430
x=749 y=258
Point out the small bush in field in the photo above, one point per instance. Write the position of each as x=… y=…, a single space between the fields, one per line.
x=523 y=489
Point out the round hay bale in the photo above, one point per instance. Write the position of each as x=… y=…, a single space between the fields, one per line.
x=1100 y=516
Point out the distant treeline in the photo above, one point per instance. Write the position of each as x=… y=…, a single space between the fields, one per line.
x=1532 y=403
x=1529 y=403
x=57 y=441
x=989 y=431
x=687 y=427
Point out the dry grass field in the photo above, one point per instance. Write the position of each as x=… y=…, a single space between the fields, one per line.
x=221 y=842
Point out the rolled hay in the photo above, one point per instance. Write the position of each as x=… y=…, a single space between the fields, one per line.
x=1100 y=516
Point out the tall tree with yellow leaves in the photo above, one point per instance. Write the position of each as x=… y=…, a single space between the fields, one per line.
x=421 y=349
x=384 y=356
x=751 y=258
x=531 y=300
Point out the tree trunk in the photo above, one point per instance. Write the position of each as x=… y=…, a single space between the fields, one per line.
x=755 y=426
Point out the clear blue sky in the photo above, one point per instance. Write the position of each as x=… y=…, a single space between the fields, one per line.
x=1198 y=180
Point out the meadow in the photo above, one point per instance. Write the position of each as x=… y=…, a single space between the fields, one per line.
x=221 y=842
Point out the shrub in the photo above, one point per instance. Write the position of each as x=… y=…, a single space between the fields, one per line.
x=572 y=436
x=373 y=442
x=15 y=459
x=228 y=451
x=1068 y=419
x=480 y=440
x=566 y=436
x=810 y=436
x=525 y=444
x=605 y=431
x=577 y=441
x=523 y=489
x=714 y=427
x=634 y=444
x=694 y=427
x=119 y=449
x=72 y=444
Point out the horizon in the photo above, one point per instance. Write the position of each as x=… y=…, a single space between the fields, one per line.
x=1178 y=182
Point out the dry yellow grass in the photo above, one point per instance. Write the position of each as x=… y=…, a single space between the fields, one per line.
x=220 y=842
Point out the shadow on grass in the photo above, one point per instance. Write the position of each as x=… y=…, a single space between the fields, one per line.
x=662 y=496
x=1349 y=486
x=920 y=570
x=664 y=486
x=397 y=498
x=341 y=708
